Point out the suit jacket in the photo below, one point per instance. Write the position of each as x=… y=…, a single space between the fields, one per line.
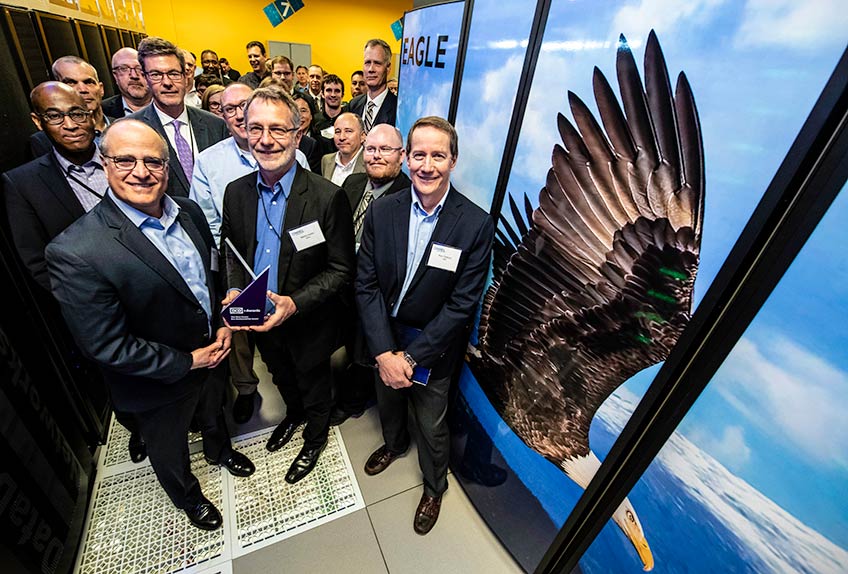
x=354 y=187
x=40 y=204
x=315 y=278
x=387 y=113
x=328 y=164
x=129 y=309
x=113 y=106
x=208 y=130
x=439 y=302
x=312 y=150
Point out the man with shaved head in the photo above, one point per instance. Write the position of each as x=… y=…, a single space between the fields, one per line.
x=348 y=137
x=129 y=77
x=137 y=281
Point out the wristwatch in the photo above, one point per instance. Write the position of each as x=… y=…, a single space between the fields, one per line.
x=408 y=358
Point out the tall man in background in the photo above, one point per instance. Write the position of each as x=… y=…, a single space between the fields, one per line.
x=133 y=93
x=378 y=105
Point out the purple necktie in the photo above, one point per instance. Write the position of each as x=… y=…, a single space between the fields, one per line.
x=183 y=150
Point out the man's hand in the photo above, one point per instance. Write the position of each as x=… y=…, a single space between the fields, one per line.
x=231 y=295
x=284 y=308
x=211 y=356
x=395 y=372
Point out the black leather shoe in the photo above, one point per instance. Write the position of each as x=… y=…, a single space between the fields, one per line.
x=339 y=415
x=237 y=464
x=283 y=433
x=243 y=407
x=205 y=516
x=303 y=464
x=137 y=448
x=380 y=460
x=426 y=514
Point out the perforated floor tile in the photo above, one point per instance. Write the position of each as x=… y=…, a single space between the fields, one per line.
x=116 y=452
x=133 y=527
x=268 y=509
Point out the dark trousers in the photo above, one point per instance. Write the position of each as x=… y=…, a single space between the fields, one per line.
x=241 y=363
x=306 y=392
x=165 y=430
x=430 y=407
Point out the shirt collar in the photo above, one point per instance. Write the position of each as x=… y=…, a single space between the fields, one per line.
x=65 y=164
x=350 y=163
x=166 y=119
x=284 y=185
x=416 y=204
x=245 y=156
x=378 y=101
x=170 y=211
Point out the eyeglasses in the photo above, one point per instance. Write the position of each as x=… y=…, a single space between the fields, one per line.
x=156 y=76
x=128 y=163
x=215 y=106
x=55 y=118
x=383 y=149
x=231 y=109
x=128 y=69
x=278 y=133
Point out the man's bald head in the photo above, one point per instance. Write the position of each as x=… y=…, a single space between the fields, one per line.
x=123 y=55
x=42 y=94
x=127 y=128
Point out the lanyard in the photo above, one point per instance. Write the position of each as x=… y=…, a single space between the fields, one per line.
x=86 y=186
x=268 y=219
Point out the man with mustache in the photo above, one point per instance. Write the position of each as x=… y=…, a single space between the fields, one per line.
x=133 y=91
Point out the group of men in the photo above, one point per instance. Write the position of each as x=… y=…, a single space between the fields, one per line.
x=137 y=227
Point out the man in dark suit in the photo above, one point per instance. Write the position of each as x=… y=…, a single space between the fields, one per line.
x=378 y=105
x=298 y=224
x=137 y=282
x=422 y=264
x=133 y=92
x=383 y=154
x=187 y=130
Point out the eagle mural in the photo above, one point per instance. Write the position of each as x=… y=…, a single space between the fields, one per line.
x=596 y=283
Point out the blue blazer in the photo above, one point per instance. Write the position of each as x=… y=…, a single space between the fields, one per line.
x=441 y=303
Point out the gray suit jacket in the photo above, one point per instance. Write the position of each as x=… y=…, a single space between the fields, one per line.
x=208 y=130
x=328 y=165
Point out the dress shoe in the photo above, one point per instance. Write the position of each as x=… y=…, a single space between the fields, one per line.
x=283 y=433
x=304 y=463
x=237 y=464
x=243 y=407
x=137 y=448
x=339 y=415
x=380 y=460
x=427 y=514
x=204 y=515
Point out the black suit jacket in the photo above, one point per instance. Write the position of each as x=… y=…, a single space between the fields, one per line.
x=315 y=278
x=113 y=106
x=40 y=204
x=439 y=302
x=354 y=186
x=129 y=309
x=208 y=130
x=313 y=152
x=387 y=113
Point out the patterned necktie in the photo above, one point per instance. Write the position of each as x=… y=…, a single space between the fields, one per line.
x=359 y=216
x=183 y=150
x=369 y=116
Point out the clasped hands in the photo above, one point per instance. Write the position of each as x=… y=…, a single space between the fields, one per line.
x=211 y=356
x=284 y=307
x=395 y=371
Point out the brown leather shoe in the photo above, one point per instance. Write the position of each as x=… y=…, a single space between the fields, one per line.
x=380 y=460
x=427 y=514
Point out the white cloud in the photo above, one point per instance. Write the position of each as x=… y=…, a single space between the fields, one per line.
x=636 y=20
x=791 y=394
x=808 y=24
x=730 y=448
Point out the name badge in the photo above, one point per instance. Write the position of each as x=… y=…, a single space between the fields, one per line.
x=306 y=236
x=444 y=257
x=329 y=132
x=213 y=260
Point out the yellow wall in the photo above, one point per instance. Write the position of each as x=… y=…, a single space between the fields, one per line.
x=336 y=29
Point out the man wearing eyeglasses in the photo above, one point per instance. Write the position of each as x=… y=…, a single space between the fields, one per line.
x=133 y=91
x=300 y=226
x=138 y=285
x=187 y=130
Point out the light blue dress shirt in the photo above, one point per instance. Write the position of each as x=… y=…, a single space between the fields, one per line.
x=172 y=241
x=269 y=225
x=215 y=168
x=421 y=226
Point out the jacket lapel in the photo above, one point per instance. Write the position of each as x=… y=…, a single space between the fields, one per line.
x=400 y=224
x=198 y=128
x=53 y=179
x=295 y=207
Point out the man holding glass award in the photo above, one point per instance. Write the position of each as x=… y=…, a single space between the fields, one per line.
x=299 y=226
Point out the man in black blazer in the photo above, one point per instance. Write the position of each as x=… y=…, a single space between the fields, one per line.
x=422 y=265
x=138 y=285
x=378 y=105
x=298 y=224
x=133 y=92
x=186 y=129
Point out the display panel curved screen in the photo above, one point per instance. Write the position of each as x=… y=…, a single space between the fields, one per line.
x=750 y=77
